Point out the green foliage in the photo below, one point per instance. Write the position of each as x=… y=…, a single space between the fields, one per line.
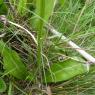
x=10 y=89
x=3 y=8
x=65 y=18
x=49 y=6
x=46 y=11
x=43 y=10
x=39 y=27
x=12 y=62
x=1 y=1
x=65 y=70
x=61 y=2
x=22 y=6
x=2 y=85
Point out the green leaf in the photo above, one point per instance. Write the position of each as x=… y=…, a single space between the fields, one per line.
x=61 y=2
x=22 y=6
x=63 y=71
x=12 y=62
x=49 y=6
x=47 y=11
x=1 y=1
x=10 y=89
x=2 y=85
x=3 y=8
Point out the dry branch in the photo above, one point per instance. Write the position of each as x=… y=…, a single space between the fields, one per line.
x=86 y=55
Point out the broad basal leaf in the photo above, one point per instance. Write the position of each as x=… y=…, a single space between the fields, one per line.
x=12 y=62
x=63 y=71
x=2 y=85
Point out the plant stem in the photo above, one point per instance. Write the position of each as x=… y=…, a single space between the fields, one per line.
x=40 y=29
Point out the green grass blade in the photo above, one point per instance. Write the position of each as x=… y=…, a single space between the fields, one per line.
x=2 y=85
x=10 y=89
x=22 y=6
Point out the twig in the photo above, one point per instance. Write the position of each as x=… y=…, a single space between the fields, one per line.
x=2 y=35
x=5 y=21
x=87 y=56
x=24 y=30
x=48 y=90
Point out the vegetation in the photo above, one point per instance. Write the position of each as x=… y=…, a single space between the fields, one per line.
x=36 y=52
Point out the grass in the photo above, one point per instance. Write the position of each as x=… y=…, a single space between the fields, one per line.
x=75 y=20
x=66 y=19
